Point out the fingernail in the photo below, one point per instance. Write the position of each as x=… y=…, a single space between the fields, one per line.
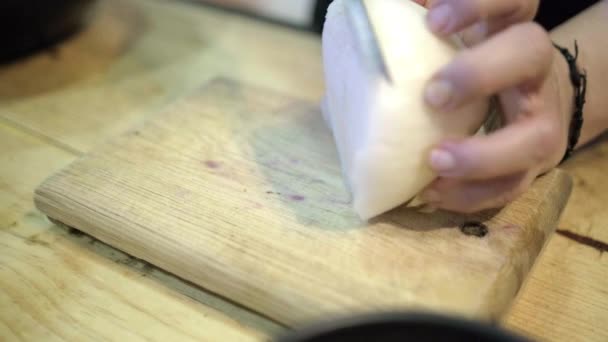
x=442 y=160
x=439 y=17
x=438 y=93
x=430 y=196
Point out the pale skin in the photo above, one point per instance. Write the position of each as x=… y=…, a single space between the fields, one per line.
x=513 y=58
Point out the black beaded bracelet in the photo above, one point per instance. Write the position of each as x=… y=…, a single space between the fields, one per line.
x=579 y=81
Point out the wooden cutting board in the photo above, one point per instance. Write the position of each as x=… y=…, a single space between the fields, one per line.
x=239 y=190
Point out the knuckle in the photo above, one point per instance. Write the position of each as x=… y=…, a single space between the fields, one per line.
x=547 y=140
x=464 y=73
x=539 y=49
x=537 y=38
x=527 y=9
x=542 y=41
x=533 y=7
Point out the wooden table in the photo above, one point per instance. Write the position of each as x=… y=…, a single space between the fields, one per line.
x=138 y=56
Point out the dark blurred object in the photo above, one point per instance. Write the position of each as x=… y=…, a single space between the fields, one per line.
x=319 y=15
x=553 y=13
x=394 y=327
x=27 y=26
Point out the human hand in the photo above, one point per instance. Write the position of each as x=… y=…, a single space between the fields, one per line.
x=475 y=20
x=512 y=58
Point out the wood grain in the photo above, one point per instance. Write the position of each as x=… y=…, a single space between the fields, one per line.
x=137 y=56
x=586 y=214
x=238 y=189
x=60 y=287
x=570 y=276
x=47 y=293
x=566 y=298
x=25 y=162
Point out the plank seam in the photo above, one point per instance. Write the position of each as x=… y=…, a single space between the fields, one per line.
x=41 y=136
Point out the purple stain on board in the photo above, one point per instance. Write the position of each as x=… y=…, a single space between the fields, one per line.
x=297 y=198
x=212 y=164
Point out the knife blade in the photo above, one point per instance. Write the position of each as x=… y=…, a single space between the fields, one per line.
x=358 y=14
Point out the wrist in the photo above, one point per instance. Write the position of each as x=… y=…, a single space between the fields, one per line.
x=566 y=97
x=571 y=106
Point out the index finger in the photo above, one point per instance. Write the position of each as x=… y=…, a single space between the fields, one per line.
x=489 y=68
x=450 y=16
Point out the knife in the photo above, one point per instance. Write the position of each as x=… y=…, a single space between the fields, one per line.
x=358 y=15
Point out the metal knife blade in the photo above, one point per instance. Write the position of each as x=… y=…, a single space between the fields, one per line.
x=359 y=17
